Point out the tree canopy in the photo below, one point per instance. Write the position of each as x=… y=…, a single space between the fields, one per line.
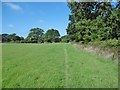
x=11 y=38
x=52 y=35
x=91 y=21
x=35 y=35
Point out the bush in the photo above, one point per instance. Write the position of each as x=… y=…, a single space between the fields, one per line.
x=112 y=43
x=106 y=43
x=57 y=40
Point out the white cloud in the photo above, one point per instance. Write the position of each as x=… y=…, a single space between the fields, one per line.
x=11 y=25
x=14 y=6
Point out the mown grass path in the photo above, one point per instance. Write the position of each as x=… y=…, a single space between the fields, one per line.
x=55 y=66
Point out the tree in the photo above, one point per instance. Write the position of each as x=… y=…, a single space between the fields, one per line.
x=35 y=35
x=5 y=38
x=11 y=38
x=52 y=35
x=91 y=21
x=81 y=14
x=115 y=22
x=65 y=38
x=0 y=37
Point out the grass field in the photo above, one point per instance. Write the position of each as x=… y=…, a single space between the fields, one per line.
x=55 y=66
x=0 y=66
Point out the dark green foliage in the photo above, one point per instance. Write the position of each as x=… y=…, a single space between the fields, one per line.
x=105 y=44
x=57 y=40
x=52 y=35
x=93 y=21
x=35 y=35
x=112 y=43
x=0 y=38
x=5 y=38
x=11 y=38
x=65 y=39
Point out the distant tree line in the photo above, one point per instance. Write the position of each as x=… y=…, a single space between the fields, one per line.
x=36 y=35
x=10 y=38
x=93 y=21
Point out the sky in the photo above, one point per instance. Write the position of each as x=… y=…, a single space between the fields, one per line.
x=20 y=17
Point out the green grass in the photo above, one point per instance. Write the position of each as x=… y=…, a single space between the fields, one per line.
x=0 y=65
x=55 y=66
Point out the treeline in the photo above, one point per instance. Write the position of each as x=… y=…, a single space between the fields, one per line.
x=93 y=21
x=36 y=35
x=10 y=38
